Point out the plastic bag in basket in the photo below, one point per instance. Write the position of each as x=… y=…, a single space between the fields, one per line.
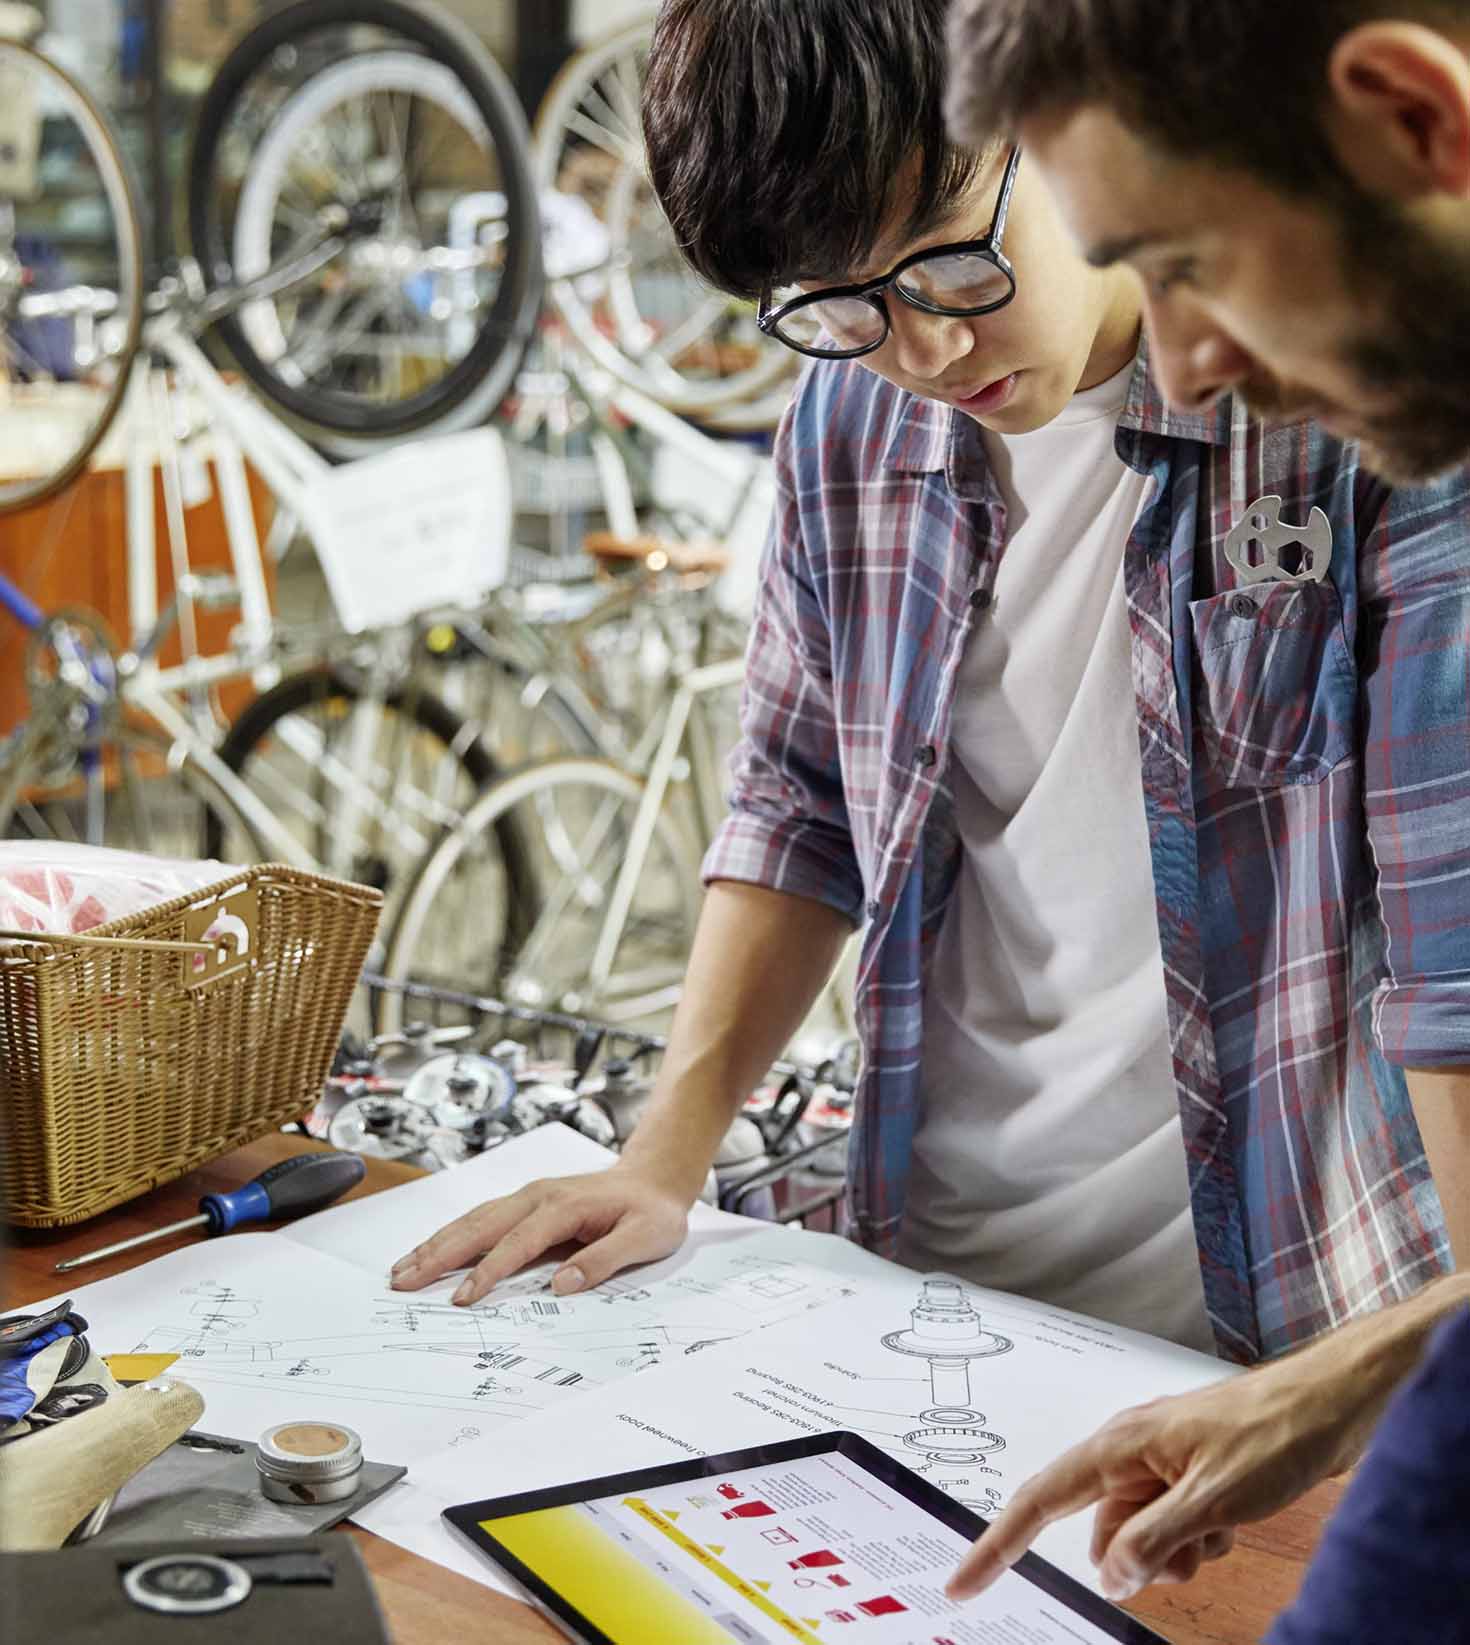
x=53 y=886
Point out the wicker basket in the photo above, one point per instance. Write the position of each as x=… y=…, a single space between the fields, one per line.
x=132 y=1054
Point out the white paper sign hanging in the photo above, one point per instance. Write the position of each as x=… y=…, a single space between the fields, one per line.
x=422 y=526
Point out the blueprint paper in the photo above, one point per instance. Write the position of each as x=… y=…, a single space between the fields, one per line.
x=978 y=1416
x=274 y=1327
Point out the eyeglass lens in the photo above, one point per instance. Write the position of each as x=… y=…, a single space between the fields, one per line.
x=957 y=282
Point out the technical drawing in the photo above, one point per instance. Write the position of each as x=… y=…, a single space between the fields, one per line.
x=946 y=1330
x=513 y=1354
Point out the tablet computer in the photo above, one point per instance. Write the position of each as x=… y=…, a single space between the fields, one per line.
x=819 y=1541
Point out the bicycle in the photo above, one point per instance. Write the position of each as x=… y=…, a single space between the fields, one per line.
x=59 y=769
x=610 y=850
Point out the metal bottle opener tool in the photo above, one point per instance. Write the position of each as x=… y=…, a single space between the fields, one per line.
x=1262 y=524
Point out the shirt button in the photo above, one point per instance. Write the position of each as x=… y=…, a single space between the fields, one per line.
x=925 y=755
x=875 y=908
x=1242 y=606
x=980 y=599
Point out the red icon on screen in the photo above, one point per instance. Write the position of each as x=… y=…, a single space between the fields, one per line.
x=883 y=1605
x=729 y=1491
x=839 y=1581
x=750 y=1510
x=842 y=1616
x=822 y=1556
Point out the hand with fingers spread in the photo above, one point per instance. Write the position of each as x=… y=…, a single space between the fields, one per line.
x=1173 y=1478
x=620 y=1216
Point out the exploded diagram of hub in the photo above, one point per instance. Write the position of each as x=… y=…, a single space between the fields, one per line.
x=946 y=1331
x=947 y=1338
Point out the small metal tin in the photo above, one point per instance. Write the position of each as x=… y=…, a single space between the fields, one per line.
x=309 y=1462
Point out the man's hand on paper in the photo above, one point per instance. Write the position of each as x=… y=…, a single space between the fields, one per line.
x=620 y=1216
x=1173 y=1478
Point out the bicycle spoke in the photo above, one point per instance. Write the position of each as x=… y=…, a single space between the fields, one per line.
x=44 y=827
x=599 y=108
x=699 y=324
x=370 y=308
x=406 y=206
x=350 y=161
x=606 y=140
x=628 y=93
x=312 y=333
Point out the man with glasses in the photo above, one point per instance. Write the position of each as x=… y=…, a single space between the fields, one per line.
x=1090 y=715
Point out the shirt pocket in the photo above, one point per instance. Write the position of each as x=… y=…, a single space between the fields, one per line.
x=1275 y=687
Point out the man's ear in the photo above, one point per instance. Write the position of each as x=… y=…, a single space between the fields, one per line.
x=1399 y=112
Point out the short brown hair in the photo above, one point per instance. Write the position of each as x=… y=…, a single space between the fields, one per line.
x=1186 y=73
x=779 y=132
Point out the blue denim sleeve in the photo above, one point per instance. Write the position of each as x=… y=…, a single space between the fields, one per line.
x=1394 y=1565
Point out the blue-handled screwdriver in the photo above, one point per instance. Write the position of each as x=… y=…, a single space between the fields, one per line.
x=305 y=1182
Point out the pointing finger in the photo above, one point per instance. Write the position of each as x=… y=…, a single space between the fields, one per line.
x=1071 y=1482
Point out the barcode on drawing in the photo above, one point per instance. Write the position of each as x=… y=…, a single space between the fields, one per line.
x=561 y=1378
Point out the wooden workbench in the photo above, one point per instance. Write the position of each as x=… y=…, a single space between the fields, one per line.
x=1229 y=1603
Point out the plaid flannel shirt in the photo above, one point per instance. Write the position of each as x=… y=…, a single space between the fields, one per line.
x=1306 y=780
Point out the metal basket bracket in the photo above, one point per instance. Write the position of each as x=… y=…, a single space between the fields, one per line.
x=229 y=924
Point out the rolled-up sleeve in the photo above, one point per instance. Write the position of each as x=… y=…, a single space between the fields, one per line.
x=788 y=825
x=1414 y=646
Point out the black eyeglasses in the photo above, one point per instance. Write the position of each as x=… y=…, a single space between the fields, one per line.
x=841 y=322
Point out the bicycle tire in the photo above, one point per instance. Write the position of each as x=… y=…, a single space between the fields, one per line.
x=117 y=182
x=420 y=924
x=334 y=689
x=475 y=384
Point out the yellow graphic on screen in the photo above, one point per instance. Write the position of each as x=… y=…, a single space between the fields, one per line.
x=617 y=1593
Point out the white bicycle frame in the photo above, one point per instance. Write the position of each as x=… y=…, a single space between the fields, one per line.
x=240 y=428
x=697 y=683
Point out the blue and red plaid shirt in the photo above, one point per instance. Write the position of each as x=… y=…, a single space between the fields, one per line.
x=1306 y=780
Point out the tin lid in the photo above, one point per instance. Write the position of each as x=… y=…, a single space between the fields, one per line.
x=308 y=1451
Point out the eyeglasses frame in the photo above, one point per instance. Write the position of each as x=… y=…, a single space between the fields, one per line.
x=870 y=291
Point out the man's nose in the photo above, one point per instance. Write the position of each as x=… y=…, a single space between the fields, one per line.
x=1195 y=361
x=924 y=346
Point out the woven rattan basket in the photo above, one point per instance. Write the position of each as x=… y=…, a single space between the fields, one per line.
x=132 y=1054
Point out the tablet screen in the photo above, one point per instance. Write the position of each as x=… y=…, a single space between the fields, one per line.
x=812 y=1548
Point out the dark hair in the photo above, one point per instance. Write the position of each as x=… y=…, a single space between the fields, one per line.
x=784 y=135
x=1241 y=81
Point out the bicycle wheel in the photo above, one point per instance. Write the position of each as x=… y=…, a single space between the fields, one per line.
x=390 y=116
x=71 y=277
x=647 y=317
x=576 y=818
x=143 y=794
x=367 y=783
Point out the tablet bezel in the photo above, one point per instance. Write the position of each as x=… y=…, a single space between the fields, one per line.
x=465 y=1517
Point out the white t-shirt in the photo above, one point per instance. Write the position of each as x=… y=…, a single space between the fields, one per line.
x=1049 y=1159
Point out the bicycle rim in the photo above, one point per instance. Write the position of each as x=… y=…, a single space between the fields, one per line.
x=396 y=113
x=63 y=367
